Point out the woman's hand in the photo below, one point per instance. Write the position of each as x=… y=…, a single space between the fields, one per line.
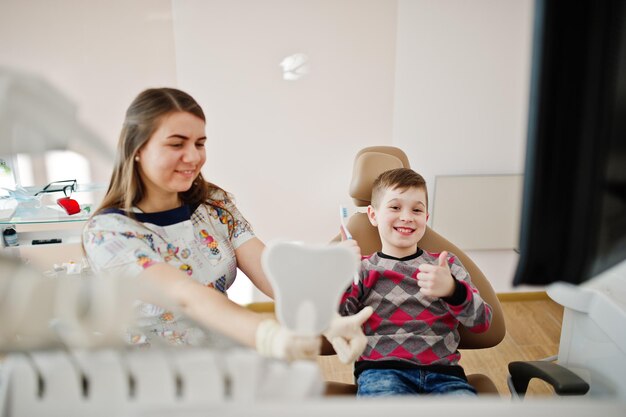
x=276 y=341
x=346 y=335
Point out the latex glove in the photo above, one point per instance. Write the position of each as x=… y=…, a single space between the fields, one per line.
x=276 y=341
x=346 y=335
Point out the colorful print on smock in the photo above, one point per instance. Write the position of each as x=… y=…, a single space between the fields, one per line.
x=212 y=244
x=201 y=243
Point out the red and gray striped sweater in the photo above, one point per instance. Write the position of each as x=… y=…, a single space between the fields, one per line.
x=408 y=329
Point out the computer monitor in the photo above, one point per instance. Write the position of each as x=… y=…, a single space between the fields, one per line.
x=574 y=204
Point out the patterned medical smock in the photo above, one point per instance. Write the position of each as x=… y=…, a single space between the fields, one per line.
x=197 y=241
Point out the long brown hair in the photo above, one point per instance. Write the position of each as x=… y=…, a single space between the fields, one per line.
x=143 y=117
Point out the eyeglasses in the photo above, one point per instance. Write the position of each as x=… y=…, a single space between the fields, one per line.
x=67 y=186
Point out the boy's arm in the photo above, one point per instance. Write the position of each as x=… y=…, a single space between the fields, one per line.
x=449 y=281
x=350 y=303
x=348 y=306
x=471 y=310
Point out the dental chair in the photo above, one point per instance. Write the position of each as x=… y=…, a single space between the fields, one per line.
x=368 y=164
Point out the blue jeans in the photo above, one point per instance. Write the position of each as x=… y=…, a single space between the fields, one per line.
x=387 y=382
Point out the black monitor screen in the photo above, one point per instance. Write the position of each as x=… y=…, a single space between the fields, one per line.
x=574 y=205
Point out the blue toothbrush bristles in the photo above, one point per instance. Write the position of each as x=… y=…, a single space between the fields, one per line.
x=343 y=212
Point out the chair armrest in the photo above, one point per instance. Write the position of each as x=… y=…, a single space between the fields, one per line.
x=564 y=381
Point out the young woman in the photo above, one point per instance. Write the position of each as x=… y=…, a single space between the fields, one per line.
x=162 y=222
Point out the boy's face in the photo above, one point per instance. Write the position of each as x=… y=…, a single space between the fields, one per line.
x=401 y=220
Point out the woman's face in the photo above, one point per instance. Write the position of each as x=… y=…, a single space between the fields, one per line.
x=172 y=158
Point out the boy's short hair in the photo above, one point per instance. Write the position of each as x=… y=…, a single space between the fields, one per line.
x=402 y=178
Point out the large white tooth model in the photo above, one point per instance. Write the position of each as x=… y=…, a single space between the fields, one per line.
x=308 y=281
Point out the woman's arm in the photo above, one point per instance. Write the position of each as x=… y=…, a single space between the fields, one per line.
x=213 y=310
x=249 y=261
x=205 y=305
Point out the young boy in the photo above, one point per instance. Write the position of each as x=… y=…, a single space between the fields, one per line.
x=419 y=298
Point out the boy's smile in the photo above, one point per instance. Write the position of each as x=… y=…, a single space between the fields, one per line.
x=401 y=219
x=404 y=230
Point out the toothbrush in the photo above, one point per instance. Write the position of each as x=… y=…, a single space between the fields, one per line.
x=343 y=215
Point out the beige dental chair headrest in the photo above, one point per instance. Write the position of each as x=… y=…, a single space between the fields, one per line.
x=368 y=164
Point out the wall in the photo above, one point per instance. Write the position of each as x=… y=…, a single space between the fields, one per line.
x=285 y=148
x=461 y=85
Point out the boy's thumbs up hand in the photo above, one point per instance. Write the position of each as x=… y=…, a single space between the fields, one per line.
x=443 y=259
x=436 y=280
